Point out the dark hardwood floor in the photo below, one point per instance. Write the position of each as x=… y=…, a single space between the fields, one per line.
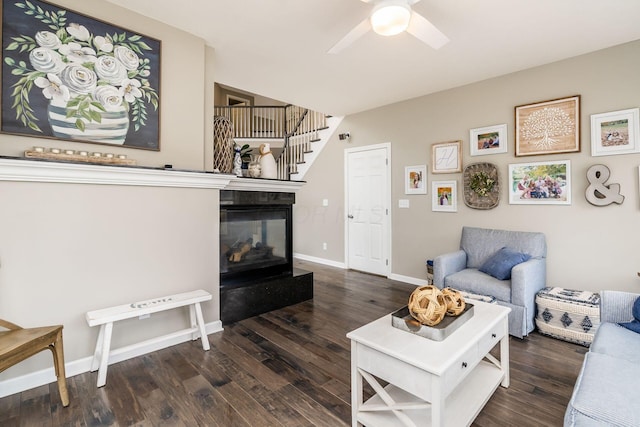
x=289 y=367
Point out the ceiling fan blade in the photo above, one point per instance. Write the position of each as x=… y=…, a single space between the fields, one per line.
x=425 y=31
x=353 y=35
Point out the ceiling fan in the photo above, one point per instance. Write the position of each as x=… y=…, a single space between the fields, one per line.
x=391 y=17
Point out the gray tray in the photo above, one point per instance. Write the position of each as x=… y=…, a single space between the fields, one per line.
x=401 y=319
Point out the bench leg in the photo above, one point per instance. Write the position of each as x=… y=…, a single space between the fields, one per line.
x=97 y=353
x=203 y=332
x=194 y=322
x=104 y=352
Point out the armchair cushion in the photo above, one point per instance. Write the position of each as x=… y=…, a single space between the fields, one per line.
x=499 y=265
x=473 y=281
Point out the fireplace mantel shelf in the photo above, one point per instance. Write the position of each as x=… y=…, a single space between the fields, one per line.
x=23 y=170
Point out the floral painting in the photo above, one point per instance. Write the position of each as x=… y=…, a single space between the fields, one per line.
x=68 y=76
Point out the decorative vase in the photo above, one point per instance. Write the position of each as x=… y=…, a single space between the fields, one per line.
x=254 y=168
x=222 y=144
x=112 y=128
x=267 y=163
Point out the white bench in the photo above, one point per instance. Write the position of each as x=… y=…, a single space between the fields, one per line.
x=105 y=318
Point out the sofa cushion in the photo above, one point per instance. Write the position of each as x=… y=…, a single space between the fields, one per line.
x=476 y=282
x=616 y=341
x=634 y=325
x=499 y=265
x=604 y=393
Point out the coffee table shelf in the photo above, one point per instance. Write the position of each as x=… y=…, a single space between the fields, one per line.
x=461 y=405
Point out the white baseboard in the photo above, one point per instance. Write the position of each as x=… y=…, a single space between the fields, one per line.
x=408 y=279
x=80 y=366
x=320 y=261
x=397 y=277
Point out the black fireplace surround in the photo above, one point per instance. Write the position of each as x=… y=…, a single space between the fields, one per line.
x=256 y=255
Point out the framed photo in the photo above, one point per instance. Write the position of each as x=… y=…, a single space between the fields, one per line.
x=446 y=157
x=540 y=183
x=548 y=127
x=415 y=179
x=488 y=140
x=614 y=133
x=68 y=76
x=444 y=196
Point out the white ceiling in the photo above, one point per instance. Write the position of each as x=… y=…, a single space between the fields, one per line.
x=277 y=48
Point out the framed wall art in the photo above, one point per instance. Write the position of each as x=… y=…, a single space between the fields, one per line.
x=68 y=76
x=488 y=140
x=446 y=157
x=616 y=132
x=415 y=179
x=444 y=196
x=548 y=127
x=540 y=183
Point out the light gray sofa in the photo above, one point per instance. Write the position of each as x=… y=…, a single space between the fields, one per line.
x=459 y=270
x=607 y=391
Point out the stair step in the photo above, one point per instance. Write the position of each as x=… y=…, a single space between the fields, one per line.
x=315 y=140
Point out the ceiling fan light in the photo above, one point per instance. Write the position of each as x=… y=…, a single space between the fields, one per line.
x=390 y=19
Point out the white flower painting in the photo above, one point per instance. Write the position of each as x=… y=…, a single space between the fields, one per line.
x=68 y=76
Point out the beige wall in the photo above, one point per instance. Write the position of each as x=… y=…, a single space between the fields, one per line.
x=588 y=247
x=69 y=248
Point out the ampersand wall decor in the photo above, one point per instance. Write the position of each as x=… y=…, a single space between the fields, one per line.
x=599 y=194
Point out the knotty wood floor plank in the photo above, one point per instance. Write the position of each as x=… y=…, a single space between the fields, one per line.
x=269 y=399
x=309 y=408
x=211 y=408
x=289 y=367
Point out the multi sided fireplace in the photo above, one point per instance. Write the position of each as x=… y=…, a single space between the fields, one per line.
x=255 y=235
x=256 y=255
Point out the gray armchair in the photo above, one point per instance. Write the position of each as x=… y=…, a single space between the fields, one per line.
x=459 y=270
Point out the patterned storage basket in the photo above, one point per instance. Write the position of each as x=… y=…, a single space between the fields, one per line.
x=567 y=314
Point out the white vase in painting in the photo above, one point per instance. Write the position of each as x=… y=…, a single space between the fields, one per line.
x=111 y=129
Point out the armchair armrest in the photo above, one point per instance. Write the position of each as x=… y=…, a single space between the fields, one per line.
x=527 y=279
x=617 y=306
x=447 y=264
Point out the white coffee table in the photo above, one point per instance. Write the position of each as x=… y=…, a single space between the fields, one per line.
x=431 y=383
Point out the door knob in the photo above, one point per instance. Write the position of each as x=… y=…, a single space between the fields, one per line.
x=350 y=216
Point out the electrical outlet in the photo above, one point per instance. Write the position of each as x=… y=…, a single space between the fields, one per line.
x=324 y=246
x=325 y=202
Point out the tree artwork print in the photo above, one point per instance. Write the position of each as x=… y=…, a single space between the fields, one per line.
x=72 y=77
x=548 y=127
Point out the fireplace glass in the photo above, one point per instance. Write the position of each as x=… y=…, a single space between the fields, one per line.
x=254 y=241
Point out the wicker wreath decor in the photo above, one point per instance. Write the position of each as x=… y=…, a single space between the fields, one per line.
x=454 y=300
x=428 y=304
x=481 y=184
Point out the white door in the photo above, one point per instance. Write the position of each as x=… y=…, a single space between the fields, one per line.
x=368 y=198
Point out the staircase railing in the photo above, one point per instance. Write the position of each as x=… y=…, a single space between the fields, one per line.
x=298 y=127
x=256 y=122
